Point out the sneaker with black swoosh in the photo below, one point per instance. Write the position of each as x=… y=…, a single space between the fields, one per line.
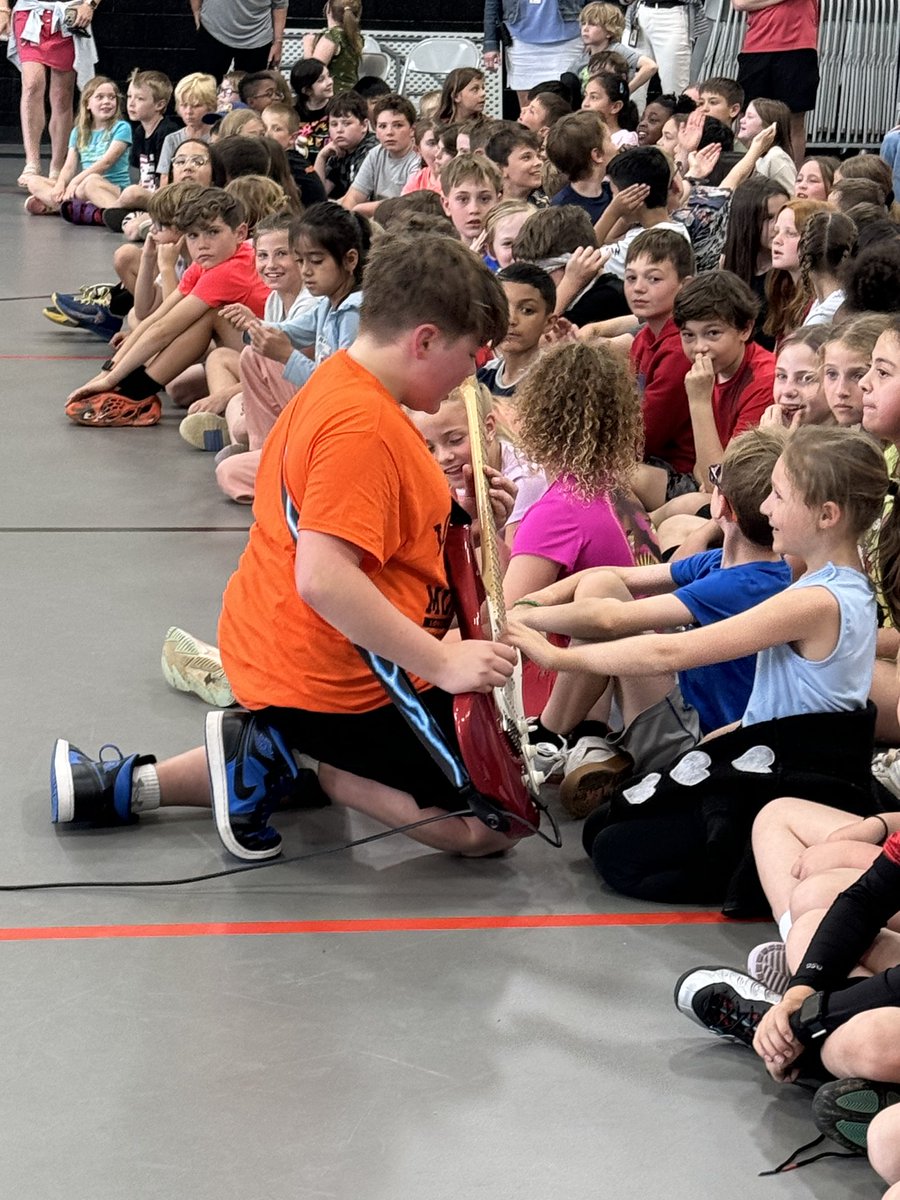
x=251 y=770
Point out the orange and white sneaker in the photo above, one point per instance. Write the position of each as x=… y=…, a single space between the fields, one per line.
x=110 y=409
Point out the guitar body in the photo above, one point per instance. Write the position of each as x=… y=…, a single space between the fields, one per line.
x=490 y=757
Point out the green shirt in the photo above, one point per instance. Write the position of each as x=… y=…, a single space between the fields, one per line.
x=344 y=65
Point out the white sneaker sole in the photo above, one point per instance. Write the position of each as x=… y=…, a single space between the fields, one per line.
x=218 y=786
x=65 y=784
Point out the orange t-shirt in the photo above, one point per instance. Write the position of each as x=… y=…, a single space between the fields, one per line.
x=357 y=468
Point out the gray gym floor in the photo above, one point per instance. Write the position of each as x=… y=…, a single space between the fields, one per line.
x=227 y=1039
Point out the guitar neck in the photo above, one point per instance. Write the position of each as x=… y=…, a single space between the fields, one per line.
x=491 y=574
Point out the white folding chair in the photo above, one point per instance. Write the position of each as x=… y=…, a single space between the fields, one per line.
x=439 y=56
x=375 y=62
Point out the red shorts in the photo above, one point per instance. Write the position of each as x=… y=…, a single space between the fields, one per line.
x=55 y=50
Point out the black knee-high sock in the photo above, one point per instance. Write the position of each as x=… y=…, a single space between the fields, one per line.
x=138 y=385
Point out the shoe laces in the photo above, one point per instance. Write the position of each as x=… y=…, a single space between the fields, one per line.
x=733 y=1017
x=96 y=293
x=119 y=756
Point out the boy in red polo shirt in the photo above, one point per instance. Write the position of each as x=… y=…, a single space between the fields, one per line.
x=346 y=551
x=729 y=385
x=657 y=265
x=222 y=271
x=779 y=59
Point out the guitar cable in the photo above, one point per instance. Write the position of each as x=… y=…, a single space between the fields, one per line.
x=555 y=841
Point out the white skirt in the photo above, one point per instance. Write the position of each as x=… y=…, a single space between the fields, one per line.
x=527 y=64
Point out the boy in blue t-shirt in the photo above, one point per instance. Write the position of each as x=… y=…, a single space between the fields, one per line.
x=609 y=727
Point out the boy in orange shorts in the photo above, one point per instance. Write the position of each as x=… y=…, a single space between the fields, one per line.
x=346 y=551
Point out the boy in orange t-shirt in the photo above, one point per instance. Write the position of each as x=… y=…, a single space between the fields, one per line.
x=346 y=550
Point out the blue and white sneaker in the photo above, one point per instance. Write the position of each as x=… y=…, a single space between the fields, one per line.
x=93 y=315
x=251 y=770
x=92 y=791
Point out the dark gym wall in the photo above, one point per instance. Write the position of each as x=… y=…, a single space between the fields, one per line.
x=159 y=33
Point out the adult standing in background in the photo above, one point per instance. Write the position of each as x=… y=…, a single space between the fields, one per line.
x=40 y=41
x=250 y=32
x=542 y=39
x=779 y=58
x=664 y=34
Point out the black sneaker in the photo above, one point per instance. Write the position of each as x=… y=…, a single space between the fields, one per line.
x=92 y=791
x=251 y=770
x=844 y=1108
x=726 y=1002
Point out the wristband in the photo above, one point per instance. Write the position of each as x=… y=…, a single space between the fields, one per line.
x=536 y=604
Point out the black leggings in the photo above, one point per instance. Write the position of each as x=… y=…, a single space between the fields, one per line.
x=214 y=57
x=659 y=858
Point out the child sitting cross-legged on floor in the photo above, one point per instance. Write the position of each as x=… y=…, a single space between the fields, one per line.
x=178 y=333
x=658 y=718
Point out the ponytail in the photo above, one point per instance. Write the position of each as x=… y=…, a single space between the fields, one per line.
x=348 y=14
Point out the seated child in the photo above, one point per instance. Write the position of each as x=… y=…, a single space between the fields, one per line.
x=722 y=98
x=730 y=382
x=149 y=93
x=470 y=187
x=658 y=719
x=531 y=296
x=608 y=96
x=179 y=332
x=644 y=190
x=561 y=240
x=331 y=246
x=846 y=359
x=501 y=228
x=579 y=420
x=602 y=26
x=195 y=98
x=580 y=147
x=282 y=125
x=388 y=166
x=354 y=562
x=657 y=265
x=426 y=178
x=446 y=434
x=798 y=397
x=683 y=835
x=542 y=112
x=349 y=141
x=96 y=167
x=517 y=152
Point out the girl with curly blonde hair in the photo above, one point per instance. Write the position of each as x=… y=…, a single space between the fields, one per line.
x=579 y=419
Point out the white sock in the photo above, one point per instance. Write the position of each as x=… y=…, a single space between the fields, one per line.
x=785 y=921
x=144 y=789
x=305 y=763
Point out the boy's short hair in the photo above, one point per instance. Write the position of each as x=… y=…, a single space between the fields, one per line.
x=848 y=192
x=197 y=86
x=212 y=203
x=480 y=130
x=163 y=206
x=555 y=106
x=157 y=84
x=407 y=286
x=370 y=86
x=398 y=104
x=288 y=114
x=746 y=479
x=531 y=276
x=607 y=16
x=349 y=104
x=509 y=136
x=252 y=78
x=608 y=62
x=572 y=141
x=643 y=164
x=716 y=295
x=553 y=231
x=663 y=245
x=393 y=209
x=477 y=167
x=720 y=85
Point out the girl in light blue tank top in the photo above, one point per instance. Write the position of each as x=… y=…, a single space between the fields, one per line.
x=815 y=641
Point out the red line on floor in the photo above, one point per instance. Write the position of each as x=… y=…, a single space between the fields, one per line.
x=373 y=925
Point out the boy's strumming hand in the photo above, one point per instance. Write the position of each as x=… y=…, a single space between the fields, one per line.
x=700 y=380
x=533 y=645
x=475 y=666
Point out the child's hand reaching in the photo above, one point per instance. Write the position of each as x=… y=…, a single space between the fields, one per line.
x=501 y=490
x=559 y=331
x=691 y=132
x=700 y=380
x=701 y=162
x=533 y=645
x=585 y=264
x=238 y=315
x=272 y=343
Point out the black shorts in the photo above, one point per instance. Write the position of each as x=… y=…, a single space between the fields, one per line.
x=791 y=76
x=376 y=745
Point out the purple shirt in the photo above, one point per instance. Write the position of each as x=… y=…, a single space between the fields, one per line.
x=572 y=532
